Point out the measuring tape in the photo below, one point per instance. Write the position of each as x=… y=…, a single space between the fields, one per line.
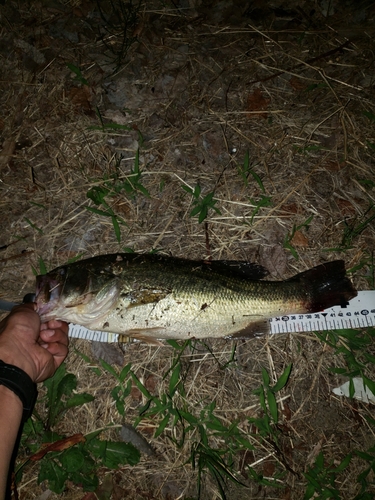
x=359 y=313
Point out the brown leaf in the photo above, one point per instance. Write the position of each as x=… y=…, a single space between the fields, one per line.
x=246 y=457
x=297 y=84
x=8 y=148
x=148 y=429
x=104 y=490
x=151 y=383
x=62 y=444
x=287 y=411
x=290 y=208
x=334 y=165
x=256 y=104
x=273 y=258
x=346 y=208
x=287 y=495
x=81 y=98
x=299 y=240
x=136 y=394
x=119 y=493
x=268 y=468
x=89 y=496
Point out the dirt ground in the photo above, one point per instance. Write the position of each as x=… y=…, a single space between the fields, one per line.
x=270 y=106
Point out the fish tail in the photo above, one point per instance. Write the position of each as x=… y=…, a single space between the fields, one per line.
x=326 y=285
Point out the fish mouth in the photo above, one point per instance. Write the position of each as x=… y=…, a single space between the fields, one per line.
x=76 y=300
x=47 y=296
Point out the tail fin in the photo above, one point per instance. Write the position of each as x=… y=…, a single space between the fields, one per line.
x=326 y=285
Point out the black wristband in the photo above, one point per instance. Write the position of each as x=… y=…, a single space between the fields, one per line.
x=21 y=384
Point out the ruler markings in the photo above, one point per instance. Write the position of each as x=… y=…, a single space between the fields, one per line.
x=359 y=313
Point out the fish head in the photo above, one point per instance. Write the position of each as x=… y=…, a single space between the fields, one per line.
x=76 y=295
x=48 y=292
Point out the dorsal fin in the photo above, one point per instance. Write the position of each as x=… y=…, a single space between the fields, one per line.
x=237 y=268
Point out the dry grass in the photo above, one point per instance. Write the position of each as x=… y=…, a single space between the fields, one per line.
x=203 y=86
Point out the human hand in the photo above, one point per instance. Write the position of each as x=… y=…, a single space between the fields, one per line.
x=38 y=349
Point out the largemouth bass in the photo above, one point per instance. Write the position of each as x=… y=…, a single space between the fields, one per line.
x=153 y=296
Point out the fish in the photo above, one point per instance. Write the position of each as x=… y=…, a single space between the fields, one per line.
x=152 y=296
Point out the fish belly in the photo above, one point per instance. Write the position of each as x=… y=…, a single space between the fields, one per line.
x=184 y=318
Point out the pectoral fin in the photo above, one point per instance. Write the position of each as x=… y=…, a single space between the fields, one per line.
x=144 y=296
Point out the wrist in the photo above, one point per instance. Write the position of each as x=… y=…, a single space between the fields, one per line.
x=19 y=382
x=16 y=358
x=9 y=398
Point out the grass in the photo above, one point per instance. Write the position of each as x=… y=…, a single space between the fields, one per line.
x=215 y=445
x=354 y=229
x=308 y=149
x=113 y=185
x=322 y=477
x=77 y=71
x=246 y=171
x=79 y=458
x=367 y=264
x=289 y=237
x=202 y=204
x=354 y=346
x=74 y=458
x=120 y=20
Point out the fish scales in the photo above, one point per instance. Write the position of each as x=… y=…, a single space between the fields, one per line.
x=164 y=297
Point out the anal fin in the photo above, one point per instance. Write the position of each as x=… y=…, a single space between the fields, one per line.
x=147 y=335
x=254 y=329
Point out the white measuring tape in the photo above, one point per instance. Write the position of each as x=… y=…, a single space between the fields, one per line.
x=359 y=313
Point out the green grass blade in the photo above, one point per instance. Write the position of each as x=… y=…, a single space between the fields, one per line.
x=272 y=405
x=283 y=379
x=116 y=227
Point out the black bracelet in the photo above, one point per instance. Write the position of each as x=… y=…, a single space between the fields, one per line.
x=21 y=384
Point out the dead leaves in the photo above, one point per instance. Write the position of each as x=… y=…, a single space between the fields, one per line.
x=81 y=98
x=110 y=353
x=273 y=258
x=130 y=435
x=6 y=154
x=346 y=207
x=299 y=240
x=150 y=383
x=297 y=84
x=257 y=105
x=61 y=445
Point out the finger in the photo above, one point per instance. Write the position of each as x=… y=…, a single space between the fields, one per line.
x=23 y=320
x=55 y=323
x=57 y=350
x=57 y=335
